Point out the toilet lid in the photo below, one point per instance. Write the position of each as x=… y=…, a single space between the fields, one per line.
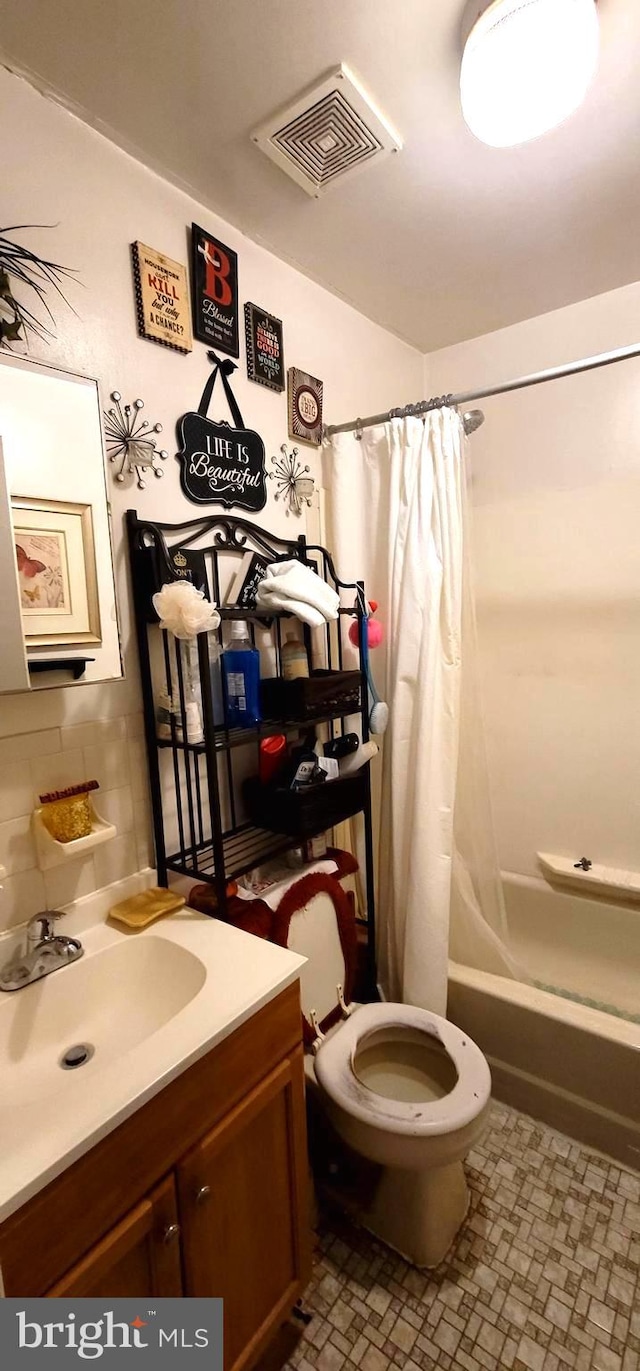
x=334 y=1067
x=331 y=940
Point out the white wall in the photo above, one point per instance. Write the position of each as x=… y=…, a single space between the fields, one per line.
x=556 y=493
x=58 y=171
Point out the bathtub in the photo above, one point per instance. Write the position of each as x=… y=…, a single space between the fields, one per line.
x=570 y=1058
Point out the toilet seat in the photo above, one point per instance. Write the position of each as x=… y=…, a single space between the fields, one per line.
x=334 y=1069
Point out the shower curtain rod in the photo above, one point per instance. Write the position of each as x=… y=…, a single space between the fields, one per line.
x=466 y=397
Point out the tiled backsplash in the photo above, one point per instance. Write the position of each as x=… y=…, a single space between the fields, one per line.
x=110 y=751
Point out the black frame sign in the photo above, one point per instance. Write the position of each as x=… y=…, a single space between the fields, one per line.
x=220 y=464
x=214 y=285
x=304 y=407
x=265 y=347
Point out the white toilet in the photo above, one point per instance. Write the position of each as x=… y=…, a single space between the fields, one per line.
x=402 y=1086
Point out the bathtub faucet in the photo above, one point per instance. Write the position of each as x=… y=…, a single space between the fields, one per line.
x=583 y=865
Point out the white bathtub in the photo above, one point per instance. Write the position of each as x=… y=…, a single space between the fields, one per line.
x=563 y=1060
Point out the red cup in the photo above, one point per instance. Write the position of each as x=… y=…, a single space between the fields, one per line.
x=272 y=754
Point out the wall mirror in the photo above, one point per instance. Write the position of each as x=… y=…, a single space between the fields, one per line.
x=58 y=619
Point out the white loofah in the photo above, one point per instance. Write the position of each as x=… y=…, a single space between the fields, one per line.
x=184 y=611
x=379 y=718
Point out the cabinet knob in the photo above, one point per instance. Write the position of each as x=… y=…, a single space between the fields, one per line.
x=203 y=1194
x=171 y=1232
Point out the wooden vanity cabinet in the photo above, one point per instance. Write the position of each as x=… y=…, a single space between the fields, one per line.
x=203 y=1191
x=137 y=1258
x=241 y=1190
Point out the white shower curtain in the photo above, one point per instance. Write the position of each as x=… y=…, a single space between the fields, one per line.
x=395 y=517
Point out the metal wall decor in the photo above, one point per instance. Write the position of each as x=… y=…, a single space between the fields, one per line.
x=265 y=348
x=129 y=442
x=220 y=464
x=214 y=283
x=294 y=485
x=162 y=298
x=304 y=406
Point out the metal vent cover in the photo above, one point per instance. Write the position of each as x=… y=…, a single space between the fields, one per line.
x=327 y=134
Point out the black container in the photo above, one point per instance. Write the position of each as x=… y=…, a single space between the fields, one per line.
x=311 y=697
x=306 y=812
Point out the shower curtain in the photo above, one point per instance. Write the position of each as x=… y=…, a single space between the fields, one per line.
x=395 y=510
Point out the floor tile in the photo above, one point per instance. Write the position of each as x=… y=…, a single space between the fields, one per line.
x=544 y=1274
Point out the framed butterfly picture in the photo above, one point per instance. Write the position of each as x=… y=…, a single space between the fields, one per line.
x=56 y=566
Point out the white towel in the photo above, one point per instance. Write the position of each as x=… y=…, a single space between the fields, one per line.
x=295 y=588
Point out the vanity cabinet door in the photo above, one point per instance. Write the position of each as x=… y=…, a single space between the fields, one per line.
x=138 y=1258
x=244 y=1210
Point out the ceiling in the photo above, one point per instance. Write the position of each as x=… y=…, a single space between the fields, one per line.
x=448 y=239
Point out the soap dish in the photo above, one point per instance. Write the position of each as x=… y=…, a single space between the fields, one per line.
x=51 y=852
x=148 y=905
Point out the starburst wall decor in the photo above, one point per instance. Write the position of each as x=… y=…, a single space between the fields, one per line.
x=129 y=441
x=293 y=484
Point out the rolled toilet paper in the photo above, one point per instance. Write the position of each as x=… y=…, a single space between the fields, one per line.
x=357 y=759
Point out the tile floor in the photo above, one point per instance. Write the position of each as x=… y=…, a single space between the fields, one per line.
x=544 y=1275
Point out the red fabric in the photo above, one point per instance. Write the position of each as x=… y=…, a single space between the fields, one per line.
x=254 y=916
x=299 y=895
x=345 y=861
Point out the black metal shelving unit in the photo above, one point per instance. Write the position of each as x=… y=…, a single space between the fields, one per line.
x=200 y=829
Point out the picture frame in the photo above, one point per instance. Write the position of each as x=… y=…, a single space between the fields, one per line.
x=214 y=292
x=265 y=347
x=57 y=578
x=162 y=298
x=304 y=407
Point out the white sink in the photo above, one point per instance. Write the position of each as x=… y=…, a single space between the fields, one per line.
x=149 y=1004
x=110 y=1002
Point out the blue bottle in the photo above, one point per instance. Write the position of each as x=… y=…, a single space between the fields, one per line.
x=241 y=667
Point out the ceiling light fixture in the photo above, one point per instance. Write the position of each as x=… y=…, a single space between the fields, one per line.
x=527 y=65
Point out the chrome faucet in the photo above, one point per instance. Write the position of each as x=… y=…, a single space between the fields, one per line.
x=44 y=951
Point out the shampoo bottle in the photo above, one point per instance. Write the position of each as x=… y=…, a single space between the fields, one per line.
x=241 y=668
x=294 y=658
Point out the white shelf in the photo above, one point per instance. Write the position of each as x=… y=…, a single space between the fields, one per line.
x=53 y=853
x=599 y=880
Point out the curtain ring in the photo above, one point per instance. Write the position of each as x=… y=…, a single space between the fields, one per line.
x=357 y=432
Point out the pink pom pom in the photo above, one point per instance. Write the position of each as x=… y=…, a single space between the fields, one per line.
x=375 y=632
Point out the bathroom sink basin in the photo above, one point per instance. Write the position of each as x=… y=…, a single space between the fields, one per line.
x=108 y=1002
x=141 y=1008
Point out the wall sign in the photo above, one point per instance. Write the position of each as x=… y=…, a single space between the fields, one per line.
x=162 y=298
x=304 y=406
x=220 y=464
x=265 y=350
x=214 y=280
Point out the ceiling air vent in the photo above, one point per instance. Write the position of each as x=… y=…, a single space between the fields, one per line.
x=327 y=134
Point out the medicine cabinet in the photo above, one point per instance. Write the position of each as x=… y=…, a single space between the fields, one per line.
x=58 y=620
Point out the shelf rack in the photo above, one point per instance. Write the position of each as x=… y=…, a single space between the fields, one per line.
x=196 y=787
